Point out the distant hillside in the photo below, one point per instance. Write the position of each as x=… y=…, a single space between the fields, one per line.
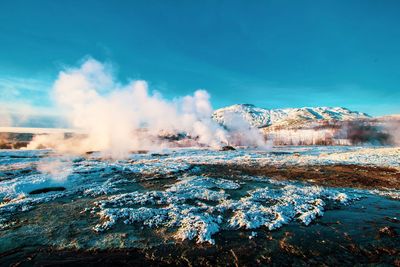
x=313 y=125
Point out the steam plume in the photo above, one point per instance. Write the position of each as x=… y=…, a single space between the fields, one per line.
x=118 y=118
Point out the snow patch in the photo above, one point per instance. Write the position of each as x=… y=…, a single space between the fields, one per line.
x=267 y=207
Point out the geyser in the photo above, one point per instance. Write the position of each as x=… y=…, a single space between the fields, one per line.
x=117 y=118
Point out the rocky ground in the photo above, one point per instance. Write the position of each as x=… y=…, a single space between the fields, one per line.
x=285 y=206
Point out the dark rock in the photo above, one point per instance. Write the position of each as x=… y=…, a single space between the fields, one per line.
x=46 y=190
x=393 y=220
x=139 y=151
x=158 y=155
x=388 y=231
x=227 y=148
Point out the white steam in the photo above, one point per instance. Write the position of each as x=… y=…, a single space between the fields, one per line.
x=392 y=127
x=240 y=132
x=57 y=169
x=117 y=118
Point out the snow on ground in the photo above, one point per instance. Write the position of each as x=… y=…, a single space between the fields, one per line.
x=383 y=157
x=194 y=221
x=194 y=206
x=393 y=194
x=267 y=207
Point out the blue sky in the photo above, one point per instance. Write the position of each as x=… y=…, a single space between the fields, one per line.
x=273 y=54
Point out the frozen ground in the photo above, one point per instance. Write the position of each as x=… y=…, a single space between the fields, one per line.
x=165 y=197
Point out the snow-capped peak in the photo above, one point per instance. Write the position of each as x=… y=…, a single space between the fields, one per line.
x=261 y=117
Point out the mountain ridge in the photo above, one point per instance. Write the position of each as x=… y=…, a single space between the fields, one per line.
x=262 y=117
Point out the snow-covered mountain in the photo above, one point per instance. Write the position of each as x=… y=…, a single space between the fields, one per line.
x=260 y=117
